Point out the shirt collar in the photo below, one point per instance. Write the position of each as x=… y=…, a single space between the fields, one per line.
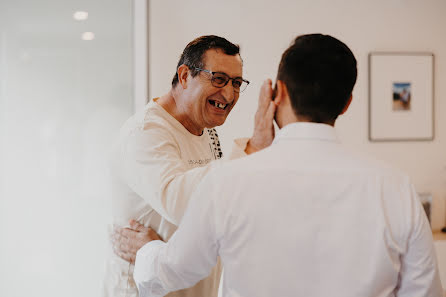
x=306 y=130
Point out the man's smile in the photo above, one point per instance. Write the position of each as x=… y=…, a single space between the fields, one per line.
x=219 y=105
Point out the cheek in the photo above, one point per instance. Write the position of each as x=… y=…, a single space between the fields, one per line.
x=204 y=95
x=235 y=100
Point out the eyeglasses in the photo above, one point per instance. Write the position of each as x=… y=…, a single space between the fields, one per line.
x=221 y=79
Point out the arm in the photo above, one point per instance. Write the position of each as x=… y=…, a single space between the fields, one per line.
x=263 y=134
x=188 y=256
x=173 y=182
x=419 y=274
x=127 y=241
x=151 y=165
x=153 y=168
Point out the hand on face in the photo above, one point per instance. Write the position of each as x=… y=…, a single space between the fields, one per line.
x=127 y=241
x=263 y=134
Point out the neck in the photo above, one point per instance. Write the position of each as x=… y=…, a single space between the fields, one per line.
x=171 y=103
x=289 y=118
x=307 y=119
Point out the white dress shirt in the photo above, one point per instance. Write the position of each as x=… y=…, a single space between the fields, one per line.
x=304 y=217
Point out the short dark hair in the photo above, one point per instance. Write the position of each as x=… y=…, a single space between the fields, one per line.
x=192 y=55
x=319 y=72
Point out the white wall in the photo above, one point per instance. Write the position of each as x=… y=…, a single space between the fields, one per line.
x=62 y=100
x=140 y=57
x=265 y=28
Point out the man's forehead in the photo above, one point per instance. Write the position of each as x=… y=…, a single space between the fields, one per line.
x=217 y=60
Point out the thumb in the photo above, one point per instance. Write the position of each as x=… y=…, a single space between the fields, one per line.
x=136 y=226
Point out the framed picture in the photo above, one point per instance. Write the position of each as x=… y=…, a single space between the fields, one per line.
x=401 y=96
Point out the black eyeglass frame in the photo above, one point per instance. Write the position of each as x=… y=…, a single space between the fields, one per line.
x=229 y=78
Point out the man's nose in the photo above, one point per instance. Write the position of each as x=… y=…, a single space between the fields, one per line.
x=228 y=92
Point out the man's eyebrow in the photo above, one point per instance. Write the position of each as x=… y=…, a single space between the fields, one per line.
x=227 y=74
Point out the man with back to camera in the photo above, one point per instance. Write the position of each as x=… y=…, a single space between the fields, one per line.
x=305 y=216
x=165 y=150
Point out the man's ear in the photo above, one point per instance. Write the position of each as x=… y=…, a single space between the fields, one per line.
x=347 y=104
x=183 y=73
x=280 y=92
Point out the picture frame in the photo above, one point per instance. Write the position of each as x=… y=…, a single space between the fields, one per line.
x=401 y=96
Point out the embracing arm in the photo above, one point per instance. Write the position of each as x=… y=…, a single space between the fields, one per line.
x=152 y=167
x=190 y=253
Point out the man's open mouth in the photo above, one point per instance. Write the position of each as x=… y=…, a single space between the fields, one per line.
x=218 y=105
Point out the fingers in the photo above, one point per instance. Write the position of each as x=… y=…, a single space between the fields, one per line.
x=266 y=110
x=263 y=134
x=127 y=241
x=265 y=100
x=269 y=115
x=127 y=256
x=136 y=225
x=266 y=93
x=128 y=233
x=124 y=244
x=119 y=240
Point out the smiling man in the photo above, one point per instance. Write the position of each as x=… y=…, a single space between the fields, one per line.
x=306 y=216
x=165 y=150
x=206 y=98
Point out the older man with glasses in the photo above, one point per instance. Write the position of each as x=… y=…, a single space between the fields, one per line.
x=165 y=150
x=307 y=216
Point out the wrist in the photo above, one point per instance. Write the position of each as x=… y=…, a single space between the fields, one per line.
x=250 y=148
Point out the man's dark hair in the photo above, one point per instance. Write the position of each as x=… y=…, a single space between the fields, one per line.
x=192 y=55
x=319 y=72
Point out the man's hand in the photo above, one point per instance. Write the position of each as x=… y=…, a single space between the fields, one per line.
x=263 y=134
x=127 y=241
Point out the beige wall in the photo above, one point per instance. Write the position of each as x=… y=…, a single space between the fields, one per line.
x=265 y=28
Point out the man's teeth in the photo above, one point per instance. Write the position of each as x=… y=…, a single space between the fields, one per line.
x=219 y=105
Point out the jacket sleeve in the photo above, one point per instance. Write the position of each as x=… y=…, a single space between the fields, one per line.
x=151 y=165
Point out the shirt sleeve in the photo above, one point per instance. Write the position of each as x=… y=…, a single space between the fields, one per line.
x=238 y=148
x=419 y=275
x=189 y=255
x=152 y=166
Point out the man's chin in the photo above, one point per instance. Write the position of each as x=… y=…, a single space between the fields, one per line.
x=213 y=124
